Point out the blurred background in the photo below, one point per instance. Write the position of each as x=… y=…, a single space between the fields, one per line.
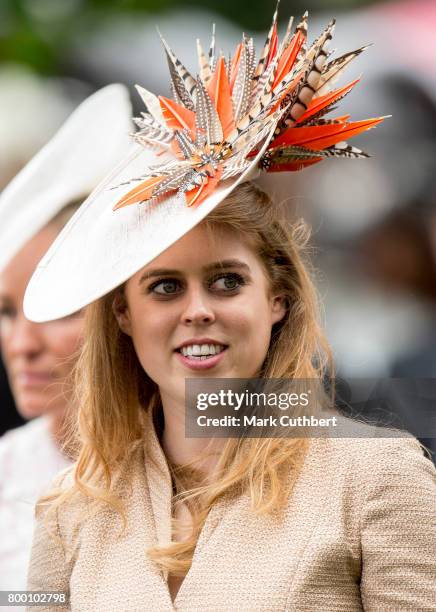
x=374 y=221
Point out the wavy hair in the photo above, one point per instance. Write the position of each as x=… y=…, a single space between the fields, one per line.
x=114 y=392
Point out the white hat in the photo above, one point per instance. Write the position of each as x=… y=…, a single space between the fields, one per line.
x=237 y=118
x=87 y=146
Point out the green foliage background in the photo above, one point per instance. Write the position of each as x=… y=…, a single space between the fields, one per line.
x=38 y=32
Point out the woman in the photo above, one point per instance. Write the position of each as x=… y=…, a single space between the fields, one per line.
x=39 y=357
x=149 y=519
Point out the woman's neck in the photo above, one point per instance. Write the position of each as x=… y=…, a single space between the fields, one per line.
x=180 y=450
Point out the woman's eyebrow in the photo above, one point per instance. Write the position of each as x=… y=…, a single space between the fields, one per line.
x=227 y=263
x=218 y=265
x=158 y=272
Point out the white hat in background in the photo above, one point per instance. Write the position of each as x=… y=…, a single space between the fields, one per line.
x=93 y=139
x=237 y=118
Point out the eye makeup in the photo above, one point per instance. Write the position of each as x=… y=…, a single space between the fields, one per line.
x=224 y=276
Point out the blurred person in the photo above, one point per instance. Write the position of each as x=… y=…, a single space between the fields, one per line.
x=398 y=255
x=10 y=418
x=39 y=357
x=196 y=276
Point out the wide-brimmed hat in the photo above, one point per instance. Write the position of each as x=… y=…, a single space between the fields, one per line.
x=238 y=117
x=87 y=146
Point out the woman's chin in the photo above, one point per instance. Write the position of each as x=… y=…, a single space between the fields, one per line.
x=32 y=405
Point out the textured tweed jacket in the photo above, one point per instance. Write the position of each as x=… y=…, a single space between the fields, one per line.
x=359 y=534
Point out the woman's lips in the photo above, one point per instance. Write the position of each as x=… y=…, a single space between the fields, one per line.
x=201 y=364
x=34 y=379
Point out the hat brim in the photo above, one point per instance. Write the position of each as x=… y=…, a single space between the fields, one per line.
x=99 y=249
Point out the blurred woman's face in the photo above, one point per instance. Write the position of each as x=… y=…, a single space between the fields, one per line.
x=37 y=356
x=200 y=310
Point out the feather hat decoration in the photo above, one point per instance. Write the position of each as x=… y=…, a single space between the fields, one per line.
x=239 y=116
x=216 y=122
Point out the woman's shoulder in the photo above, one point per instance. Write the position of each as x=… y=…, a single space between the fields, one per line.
x=368 y=454
x=77 y=500
x=378 y=485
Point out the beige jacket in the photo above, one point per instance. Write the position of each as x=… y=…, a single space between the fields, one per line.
x=359 y=534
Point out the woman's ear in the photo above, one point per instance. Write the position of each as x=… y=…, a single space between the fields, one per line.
x=278 y=308
x=121 y=312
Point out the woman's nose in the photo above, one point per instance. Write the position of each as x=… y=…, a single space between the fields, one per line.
x=198 y=309
x=23 y=338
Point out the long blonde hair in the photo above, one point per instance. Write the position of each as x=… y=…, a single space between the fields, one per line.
x=113 y=391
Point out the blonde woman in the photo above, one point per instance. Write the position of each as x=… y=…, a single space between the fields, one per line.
x=39 y=358
x=149 y=519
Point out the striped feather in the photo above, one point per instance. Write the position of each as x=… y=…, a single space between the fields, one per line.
x=187 y=147
x=205 y=71
x=151 y=103
x=184 y=85
x=334 y=69
x=234 y=66
x=253 y=134
x=172 y=182
x=263 y=60
x=267 y=81
x=287 y=37
x=324 y=104
x=153 y=137
x=238 y=167
x=317 y=121
x=301 y=97
x=251 y=55
x=341 y=149
x=302 y=29
x=212 y=49
x=193 y=179
x=207 y=119
x=242 y=87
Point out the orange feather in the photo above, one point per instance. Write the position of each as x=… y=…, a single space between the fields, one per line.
x=199 y=194
x=319 y=103
x=177 y=117
x=219 y=91
x=323 y=136
x=351 y=129
x=273 y=45
x=141 y=192
x=288 y=58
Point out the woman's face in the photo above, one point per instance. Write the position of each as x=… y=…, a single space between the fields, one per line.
x=200 y=310
x=36 y=355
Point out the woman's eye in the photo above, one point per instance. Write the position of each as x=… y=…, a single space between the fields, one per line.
x=6 y=312
x=228 y=282
x=165 y=287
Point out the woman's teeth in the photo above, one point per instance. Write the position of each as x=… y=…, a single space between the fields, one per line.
x=201 y=351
